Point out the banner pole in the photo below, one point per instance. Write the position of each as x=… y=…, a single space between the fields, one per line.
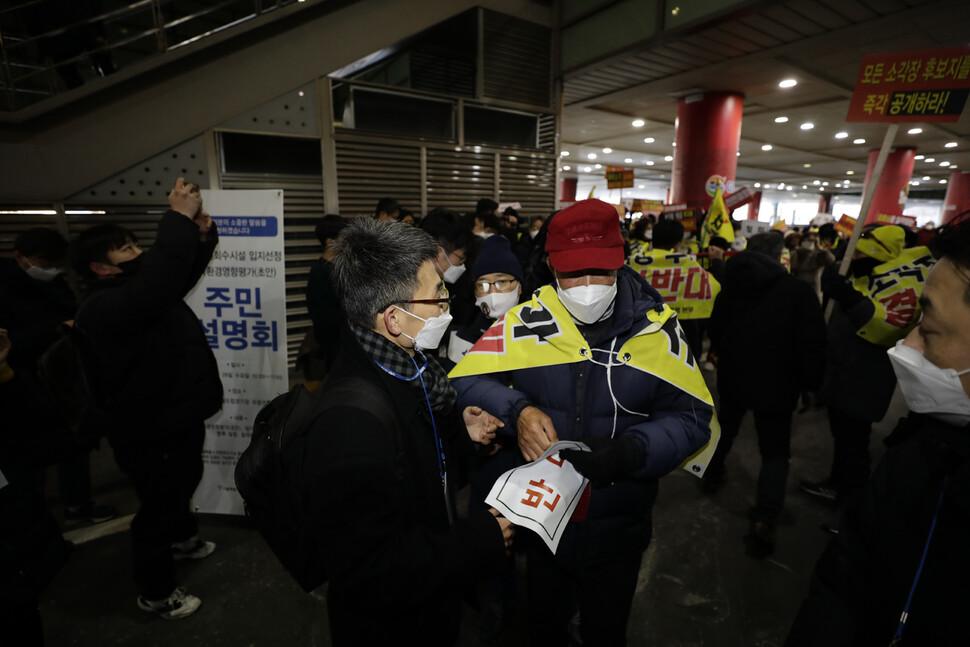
x=867 y=197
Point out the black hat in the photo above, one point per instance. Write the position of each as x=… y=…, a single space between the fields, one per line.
x=496 y=256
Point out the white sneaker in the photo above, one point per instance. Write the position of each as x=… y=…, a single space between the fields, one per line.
x=194 y=548
x=178 y=605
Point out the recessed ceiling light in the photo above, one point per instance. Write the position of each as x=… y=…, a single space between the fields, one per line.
x=953 y=166
x=806 y=165
x=944 y=163
x=640 y=186
x=668 y=158
x=804 y=186
x=825 y=183
x=607 y=150
x=738 y=154
x=649 y=162
x=942 y=181
x=930 y=160
x=850 y=172
x=914 y=131
x=628 y=160
x=787 y=188
x=841 y=135
x=915 y=182
x=591 y=156
x=950 y=145
x=781 y=186
x=858 y=141
x=587 y=169
x=300 y=93
x=919 y=157
x=757 y=185
x=638 y=123
x=807 y=125
x=564 y=153
x=926 y=178
x=599 y=166
x=648 y=140
x=821 y=189
x=816 y=182
x=566 y=168
x=781 y=120
x=766 y=147
x=788 y=83
x=674 y=144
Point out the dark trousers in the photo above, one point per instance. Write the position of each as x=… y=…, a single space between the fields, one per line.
x=164 y=476
x=850 y=456
x=74 y=480
x=601 y=592
x=774 y=444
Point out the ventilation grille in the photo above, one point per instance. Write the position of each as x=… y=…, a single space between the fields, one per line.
x=458 y=180
x=517 y=60
x=369 y=171
x=531 y=181
x=16 y=219
x=547 y=132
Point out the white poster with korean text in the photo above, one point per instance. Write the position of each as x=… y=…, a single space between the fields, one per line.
x=541 y=495
x=241 y=303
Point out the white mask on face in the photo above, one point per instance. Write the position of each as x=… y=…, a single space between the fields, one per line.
x=431 y=332
x=587 y=303
x=43 y=273
x=533 y=233
x=929 y=389
x=484 y=234
x=496 y=304
x=648 y=234
x=453 y=272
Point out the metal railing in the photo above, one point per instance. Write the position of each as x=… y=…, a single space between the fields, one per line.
x=49 y=47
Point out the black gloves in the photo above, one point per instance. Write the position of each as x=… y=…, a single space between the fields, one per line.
x=839 y=288
x=611 y=459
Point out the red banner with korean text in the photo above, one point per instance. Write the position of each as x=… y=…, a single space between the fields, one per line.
x=618 y=177
x=924 y=86
x=845 y=225
x=682 y=214
x=890 y=219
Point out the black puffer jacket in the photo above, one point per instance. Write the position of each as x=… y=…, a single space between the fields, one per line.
x=155 y=364
x=768 y=332
x=862 y=581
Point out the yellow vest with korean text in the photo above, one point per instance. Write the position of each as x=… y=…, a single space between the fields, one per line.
x=894 y=289
x=684 y=285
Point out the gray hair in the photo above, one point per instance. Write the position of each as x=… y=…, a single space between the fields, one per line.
x=769 y=243
x=376 y=265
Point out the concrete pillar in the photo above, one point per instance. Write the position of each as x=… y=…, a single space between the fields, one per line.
x=754 y=206
x=894 y=183
x=825 y=203
x=707 y=133
x=957 y=198
x=567 y=189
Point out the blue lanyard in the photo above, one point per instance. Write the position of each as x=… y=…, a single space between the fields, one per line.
x=439 y=450
x=898 y=637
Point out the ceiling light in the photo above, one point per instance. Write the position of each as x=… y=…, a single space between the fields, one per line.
x=591 y=156
x=781 y=186
x=674 y=144
x=930 y=160
x=858 y=141
x=804 y=186
x=942 y=181
x=638 y=123
x=850 y=172
x=757 y=185
x=825 y=183
x=919 y=157
x=587 y=169
x=640 y=186
x=788 y=188
x=781 y=120
x=950 y=145
x=807 y=125
x=926 y=178
x=914 y=131
x=599 y=166
x=738 y=154
x=766 y=147
x=607 y=150
x=648 y=140
x=915 y=183
x=649 y=162
x=668 y=158
x=628 y=160
x=300 y=93
x=821 y=189
x=565 y=168
x=953 y=166
x=816 y=182
x=806 y=165
x=944 y=163
x=788 y=83
x=841 y=135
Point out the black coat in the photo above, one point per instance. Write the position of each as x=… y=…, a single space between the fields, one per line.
x=768 y=332
x=861 y=582
x=155 y=365
x=397 y=569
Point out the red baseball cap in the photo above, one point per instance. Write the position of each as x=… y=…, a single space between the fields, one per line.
x=585 y=236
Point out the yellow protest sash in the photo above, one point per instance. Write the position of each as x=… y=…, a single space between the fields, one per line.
x=541 y=332
x=894 y=288
x=685 y=286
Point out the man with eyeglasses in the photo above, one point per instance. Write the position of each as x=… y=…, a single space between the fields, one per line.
x=599 y=358
x=878 y=304
x=380 y=500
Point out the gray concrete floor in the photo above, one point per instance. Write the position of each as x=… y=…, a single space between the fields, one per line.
x=696 y=586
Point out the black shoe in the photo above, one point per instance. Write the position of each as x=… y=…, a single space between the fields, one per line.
x=90 y=512
x=760 y=540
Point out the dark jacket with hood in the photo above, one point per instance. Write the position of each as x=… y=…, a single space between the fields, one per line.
x=397 y=567
x=861 y=583
x=768 y=332
x=580 y=400
x=154 y=364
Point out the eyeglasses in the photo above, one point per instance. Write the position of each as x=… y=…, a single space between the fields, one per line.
x=443 y=302
x=501 y=285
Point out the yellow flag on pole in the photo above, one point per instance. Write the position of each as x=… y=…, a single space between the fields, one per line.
x=717 y=222
x=591 y=191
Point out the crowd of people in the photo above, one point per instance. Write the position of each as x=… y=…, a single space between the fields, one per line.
x=487 y=339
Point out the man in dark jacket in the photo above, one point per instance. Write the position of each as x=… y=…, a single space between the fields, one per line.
x=160 y=381
x=595 y=357
x=769 y=335
x=896 y=572
x=37 y=307
x=380 y=501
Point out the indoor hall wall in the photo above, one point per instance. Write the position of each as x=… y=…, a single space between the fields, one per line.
x=62 y=155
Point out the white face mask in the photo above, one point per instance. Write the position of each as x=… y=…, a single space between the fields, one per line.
x=587 y=303
x=43 y=273
x=929 y=389
x=431 y=332
x=648 y=234
x=453 y=272
x=484 y=234
x=496 y=304
x=533 y=233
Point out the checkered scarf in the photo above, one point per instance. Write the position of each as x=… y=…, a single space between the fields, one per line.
x=393 y=359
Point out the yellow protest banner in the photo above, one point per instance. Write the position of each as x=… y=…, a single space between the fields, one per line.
x=717 y=222
x=684 y=285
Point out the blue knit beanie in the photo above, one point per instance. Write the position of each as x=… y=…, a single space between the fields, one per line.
x=496 y=256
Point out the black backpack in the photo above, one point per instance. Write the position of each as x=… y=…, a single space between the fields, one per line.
x=269 y=489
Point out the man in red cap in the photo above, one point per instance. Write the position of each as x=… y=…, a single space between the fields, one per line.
x=596 y=357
